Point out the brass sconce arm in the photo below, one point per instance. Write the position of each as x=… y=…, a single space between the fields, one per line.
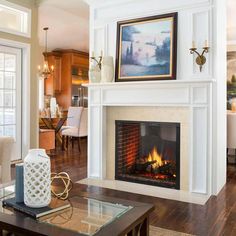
x=201 y=59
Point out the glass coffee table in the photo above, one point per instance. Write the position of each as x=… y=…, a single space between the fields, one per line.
x=87 y=215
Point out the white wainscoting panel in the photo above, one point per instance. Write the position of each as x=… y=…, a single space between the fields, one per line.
x=100 y=40
x=95 y=96
x=200 y=95
x=94 y=152
x=150 y=96
x=201 y=31
x=200 y=142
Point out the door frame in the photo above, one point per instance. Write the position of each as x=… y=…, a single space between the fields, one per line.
x=18 y=99
x=25 y=89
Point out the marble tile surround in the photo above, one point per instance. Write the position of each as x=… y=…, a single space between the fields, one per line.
x=153 y=191
x=157 y=114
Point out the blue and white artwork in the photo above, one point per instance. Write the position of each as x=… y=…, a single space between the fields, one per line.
x=146 y=49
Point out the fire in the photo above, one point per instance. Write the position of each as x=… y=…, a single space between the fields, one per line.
x=155 y=156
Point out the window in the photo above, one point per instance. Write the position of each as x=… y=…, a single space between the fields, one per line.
x=14 y=19
x=10 y=95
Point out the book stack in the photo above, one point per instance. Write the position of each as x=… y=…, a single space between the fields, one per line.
x=55 y=206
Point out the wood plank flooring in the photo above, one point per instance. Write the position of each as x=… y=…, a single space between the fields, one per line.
x=216 y=217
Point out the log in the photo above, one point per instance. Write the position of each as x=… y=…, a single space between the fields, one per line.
x=143 y=166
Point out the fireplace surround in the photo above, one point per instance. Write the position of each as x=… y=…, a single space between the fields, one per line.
x=148 y=153
x=186 y=102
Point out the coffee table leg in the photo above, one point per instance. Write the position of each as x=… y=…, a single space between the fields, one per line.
x=144 y=230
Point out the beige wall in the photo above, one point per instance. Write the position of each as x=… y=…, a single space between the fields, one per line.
x=33 y=41
x=231 y=48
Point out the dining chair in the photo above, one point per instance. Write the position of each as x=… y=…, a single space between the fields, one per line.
x=73 y=118
x=77 y=132
x=6 y=151
x=231 y=134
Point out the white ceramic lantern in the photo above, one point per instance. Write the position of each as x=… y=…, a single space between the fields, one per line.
x=37 y=179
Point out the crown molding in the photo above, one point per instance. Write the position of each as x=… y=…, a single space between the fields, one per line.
x=95 y=4
x=106 y=3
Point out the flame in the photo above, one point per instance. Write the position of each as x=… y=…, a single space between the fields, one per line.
x=155 y=156
x=150 y=157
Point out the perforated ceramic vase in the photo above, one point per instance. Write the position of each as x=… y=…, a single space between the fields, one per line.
x=37 y=182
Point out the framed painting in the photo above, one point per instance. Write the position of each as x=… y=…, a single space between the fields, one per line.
x=147 y=48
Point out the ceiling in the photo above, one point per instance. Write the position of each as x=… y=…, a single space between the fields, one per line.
x=68 y=22
x=231 y=20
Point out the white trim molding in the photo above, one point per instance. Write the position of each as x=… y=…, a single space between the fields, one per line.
x=25 y=19
x=25 y=47
x=113 y=3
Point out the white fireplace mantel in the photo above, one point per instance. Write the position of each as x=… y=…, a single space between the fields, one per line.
x=193 y=94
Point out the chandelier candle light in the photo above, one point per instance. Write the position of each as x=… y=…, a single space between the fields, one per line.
x=201 y=59
x=45 y=71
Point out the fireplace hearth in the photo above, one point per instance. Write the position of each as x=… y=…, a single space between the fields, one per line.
x=148 y=153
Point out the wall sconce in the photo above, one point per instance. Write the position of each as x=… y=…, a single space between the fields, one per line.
x=201 y=59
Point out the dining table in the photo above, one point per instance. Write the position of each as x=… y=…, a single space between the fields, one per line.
x=55 y=123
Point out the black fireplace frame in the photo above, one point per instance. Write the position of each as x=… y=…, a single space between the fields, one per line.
x=150 y=182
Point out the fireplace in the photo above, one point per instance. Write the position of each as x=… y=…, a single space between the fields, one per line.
x=148 y=153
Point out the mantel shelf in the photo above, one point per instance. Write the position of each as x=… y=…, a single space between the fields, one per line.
x=156 y=82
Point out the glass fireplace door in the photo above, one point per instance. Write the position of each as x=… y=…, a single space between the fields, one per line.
x=148 y=153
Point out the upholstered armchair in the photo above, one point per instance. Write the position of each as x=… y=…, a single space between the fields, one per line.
x=6 y=150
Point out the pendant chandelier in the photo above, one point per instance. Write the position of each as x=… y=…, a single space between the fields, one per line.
x=45 y=70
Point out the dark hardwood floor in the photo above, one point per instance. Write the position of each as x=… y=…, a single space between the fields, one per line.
x=71 y=161
x=216 y=217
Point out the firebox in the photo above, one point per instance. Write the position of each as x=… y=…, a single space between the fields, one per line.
x=148 y=153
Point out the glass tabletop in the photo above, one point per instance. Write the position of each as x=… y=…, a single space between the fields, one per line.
x=6 y=191
x=85 y=215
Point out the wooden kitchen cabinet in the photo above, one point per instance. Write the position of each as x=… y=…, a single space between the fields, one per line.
x=57 y=75
x=71 y=70
x=52 y=84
